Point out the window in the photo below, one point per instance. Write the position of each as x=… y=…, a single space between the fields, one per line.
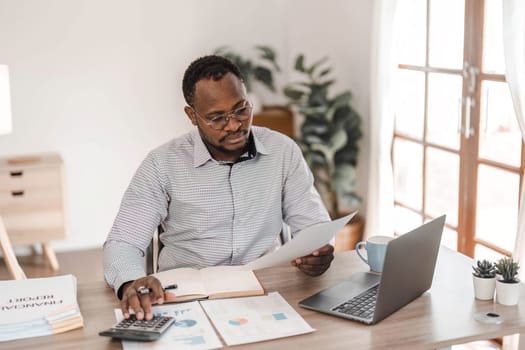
x=457 y=147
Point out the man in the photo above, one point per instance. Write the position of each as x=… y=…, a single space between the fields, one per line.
x=220 y=192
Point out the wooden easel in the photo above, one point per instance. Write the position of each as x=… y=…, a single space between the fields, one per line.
x=9 y=255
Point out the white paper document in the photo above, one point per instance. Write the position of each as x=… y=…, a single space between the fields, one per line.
x=191 y=329
x=303 y=243
x=253 y=319
x=36 y=307
x=33 y=299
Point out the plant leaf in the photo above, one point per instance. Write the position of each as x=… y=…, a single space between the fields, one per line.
x=344 y=179
x=324 y=72
x=267 y=53
x=316 y=127
x=317 y=63
x=338 y=140
x=342 y=99
x=293 y=94
x=299 y=63
x=264 y=75
x=326 y=150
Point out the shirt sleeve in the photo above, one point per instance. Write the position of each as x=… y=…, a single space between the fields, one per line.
x=302 y=204
x=143 y=207
x=122 y=263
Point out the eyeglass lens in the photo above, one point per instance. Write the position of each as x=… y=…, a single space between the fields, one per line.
x=240 y=114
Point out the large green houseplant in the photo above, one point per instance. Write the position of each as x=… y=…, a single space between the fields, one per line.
x=259 y=69
x=330 y=132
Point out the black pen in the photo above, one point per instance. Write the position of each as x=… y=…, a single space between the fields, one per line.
x=144 y=290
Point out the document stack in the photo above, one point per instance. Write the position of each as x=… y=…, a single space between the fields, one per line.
x=38 y=306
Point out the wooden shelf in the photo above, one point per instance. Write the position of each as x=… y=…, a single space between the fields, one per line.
x=350 y=234
x=277 y=118
x=32 y=201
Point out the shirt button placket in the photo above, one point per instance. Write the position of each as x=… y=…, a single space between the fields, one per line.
x=237 y=223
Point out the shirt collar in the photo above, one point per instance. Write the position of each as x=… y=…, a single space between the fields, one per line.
x=201 y=155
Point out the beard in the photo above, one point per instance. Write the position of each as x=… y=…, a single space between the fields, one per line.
x=222 y=147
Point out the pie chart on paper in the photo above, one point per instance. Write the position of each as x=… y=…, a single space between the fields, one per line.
x=238 y=321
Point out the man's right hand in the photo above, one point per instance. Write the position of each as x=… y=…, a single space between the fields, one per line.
x=141 y=303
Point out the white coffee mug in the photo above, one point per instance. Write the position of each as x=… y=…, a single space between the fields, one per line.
x=375 y=251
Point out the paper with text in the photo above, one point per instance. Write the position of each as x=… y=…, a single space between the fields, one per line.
x=303 y=243
x=212 y=282
x=35 y=298
x=253 y=319
x=38 y=306
x=191 y=329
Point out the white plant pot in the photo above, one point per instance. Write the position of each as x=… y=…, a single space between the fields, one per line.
x=484 y=288
x=507 y=293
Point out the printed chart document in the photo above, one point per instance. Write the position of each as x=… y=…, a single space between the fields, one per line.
x=191 y=330
x=303 y=243
x=253 y=319
x=38 y=306
x=211 y=282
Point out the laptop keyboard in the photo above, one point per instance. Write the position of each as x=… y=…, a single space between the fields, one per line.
x=362 y=306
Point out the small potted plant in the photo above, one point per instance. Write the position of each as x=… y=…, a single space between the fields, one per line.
x=507 y=285
x=484 y=277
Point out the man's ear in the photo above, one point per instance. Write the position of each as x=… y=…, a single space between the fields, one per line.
x=191 y=114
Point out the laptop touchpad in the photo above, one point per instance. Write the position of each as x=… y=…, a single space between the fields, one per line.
x=353 y=286
x=333 y=296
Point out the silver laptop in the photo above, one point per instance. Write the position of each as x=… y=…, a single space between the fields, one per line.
x=407 y=273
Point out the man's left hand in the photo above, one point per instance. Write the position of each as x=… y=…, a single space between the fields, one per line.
x=316 y=263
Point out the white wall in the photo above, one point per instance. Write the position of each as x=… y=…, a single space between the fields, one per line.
x=99 y=81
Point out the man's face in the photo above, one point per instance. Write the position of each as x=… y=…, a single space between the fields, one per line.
x=213 y=99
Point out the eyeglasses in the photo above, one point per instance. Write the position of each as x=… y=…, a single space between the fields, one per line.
x=220 y=121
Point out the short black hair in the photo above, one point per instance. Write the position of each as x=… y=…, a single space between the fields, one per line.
x=207 y=67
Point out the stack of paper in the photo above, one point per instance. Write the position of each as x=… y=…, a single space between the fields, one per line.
x=38 y=306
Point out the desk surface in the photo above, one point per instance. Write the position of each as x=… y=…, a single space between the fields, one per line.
x=441 y=317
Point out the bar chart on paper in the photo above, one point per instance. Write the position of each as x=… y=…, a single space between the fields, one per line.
x=191 y=330
x=238 y=321
x=253 y=319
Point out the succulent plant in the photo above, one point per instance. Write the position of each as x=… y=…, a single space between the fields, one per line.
x=508 y=269
x=484 y=269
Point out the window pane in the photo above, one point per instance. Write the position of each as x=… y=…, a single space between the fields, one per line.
x=442 y=184
x=411 y=21
x=410 y=103
x=481 y=252
x=444 y=109
x=500 y=135
x=408 y=173
x=446 y=29
x=497 y=206
x=493 y=59
x=405 y=220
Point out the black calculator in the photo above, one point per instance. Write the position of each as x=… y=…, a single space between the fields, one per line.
x=142 y=330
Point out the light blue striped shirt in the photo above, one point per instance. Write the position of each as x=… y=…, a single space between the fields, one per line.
x=212 y=213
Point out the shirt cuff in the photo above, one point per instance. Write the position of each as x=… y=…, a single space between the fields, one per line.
x=125 y=278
